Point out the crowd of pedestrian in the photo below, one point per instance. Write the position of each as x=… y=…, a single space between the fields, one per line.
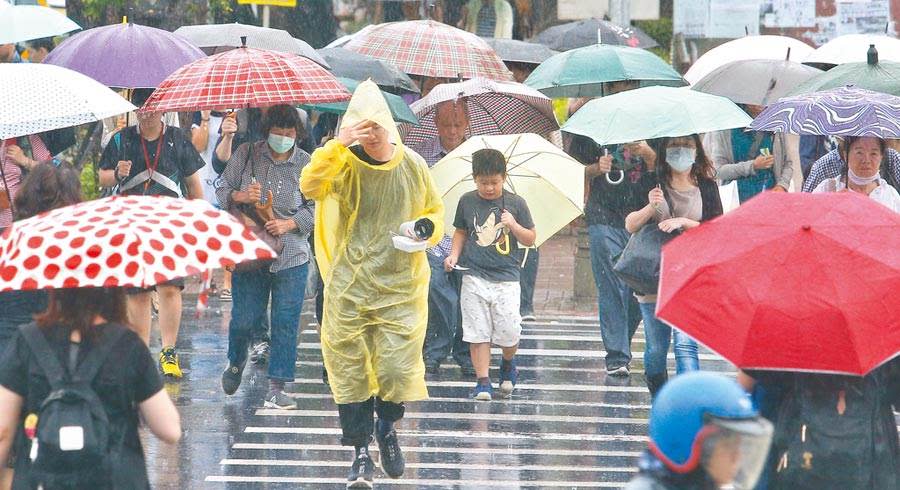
x=356 y=220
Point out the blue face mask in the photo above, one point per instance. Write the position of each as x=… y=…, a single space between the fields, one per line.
x=280 y=144
x=681 y=159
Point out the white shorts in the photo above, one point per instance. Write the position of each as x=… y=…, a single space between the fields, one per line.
x=490 y=311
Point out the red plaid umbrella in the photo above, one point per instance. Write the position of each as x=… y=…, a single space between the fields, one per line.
x=790 y=282
x=123 y=241
x=246 y=77
x=493 y=108
x=431 y=49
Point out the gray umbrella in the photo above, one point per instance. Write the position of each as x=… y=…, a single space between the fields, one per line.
x=216 y=38
x=585 y=32
x=515 y=51
x=359 y=67
x=756 y=82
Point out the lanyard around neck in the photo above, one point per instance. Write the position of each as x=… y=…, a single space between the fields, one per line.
x=151 y=170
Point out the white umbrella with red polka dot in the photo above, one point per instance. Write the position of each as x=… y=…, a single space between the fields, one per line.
x=123 y=241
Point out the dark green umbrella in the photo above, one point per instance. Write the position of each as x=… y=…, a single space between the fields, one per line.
x=582 y=72
x=399 y=109
x=874 y=75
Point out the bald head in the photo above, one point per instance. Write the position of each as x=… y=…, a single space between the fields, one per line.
x=452 y=121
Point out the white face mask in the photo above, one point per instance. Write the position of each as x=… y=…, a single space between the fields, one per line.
x=857 y=180
x=681 y=159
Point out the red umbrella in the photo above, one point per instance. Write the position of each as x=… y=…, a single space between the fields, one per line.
x=790 y=282
x=246 y=77
x=123 y=241
x=431 y=49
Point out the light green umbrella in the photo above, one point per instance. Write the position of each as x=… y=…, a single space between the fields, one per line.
x=581 y=72
x=654 y=112
x=874 y=75
x=399 y=109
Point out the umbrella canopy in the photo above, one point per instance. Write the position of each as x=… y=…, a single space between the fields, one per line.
x=399 y=110
x=133 y=241
x=430 y=49
x=852 y=48
x=845 y=111
x=748 y=48
x=493 y=108
x=582 y=72
x=20 y=23
x=756 y=82
x=350 y=64
x=65 y=98
x=654 y=112
x=791 y=282
x=515 y=51
x=246 y=77
x=218 y=38
x=549 y=180
x=125 y=55
x=874 y=75
x=593 y=31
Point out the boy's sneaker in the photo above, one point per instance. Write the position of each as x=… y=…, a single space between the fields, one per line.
x=259 y=353
x=362 y=472
x=528 y=316
x=281 y=400
x=618 y=371
x=392 y=461
x=225 y=296
x=231 y=378
x=168 y=363
x=508 y=379
x=483 y=392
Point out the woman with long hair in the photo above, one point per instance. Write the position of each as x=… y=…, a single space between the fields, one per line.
x=687 y=195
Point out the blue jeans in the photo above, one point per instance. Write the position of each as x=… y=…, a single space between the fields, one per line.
x=619 y=313
x=250 y=296
x=658 y=336
x=444 y=332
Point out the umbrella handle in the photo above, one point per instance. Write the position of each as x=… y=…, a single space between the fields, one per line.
x=616 y=182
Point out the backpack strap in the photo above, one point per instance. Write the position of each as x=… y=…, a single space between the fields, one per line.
x=94 y=359
x=46 y=358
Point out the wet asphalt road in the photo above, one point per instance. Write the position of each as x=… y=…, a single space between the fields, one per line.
x=566 y=426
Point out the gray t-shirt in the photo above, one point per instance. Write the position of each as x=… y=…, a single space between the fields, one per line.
x=481 y=220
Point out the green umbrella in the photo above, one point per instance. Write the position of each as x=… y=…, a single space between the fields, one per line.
x=654 y=112
x=581 y=72
x=872 y=75
x=399 y=109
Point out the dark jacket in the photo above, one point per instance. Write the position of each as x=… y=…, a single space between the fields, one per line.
x=835 y=432
x=653 y=475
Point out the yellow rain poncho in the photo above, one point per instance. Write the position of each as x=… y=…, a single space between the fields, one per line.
x=376 y=297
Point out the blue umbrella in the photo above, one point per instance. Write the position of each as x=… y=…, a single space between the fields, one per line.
x=845 y=111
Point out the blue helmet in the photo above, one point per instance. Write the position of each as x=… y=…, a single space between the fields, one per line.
x=692 y=406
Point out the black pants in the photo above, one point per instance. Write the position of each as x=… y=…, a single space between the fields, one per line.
x=358 y=421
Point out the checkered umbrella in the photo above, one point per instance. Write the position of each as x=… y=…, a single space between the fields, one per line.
x=246 y=77
x=493 y=108
x=431 y=49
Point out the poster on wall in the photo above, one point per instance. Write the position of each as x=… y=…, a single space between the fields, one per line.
x=716 y=18
x=788 y=13
x=862 y=16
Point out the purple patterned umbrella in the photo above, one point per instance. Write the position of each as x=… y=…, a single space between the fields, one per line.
x=845 y=111
x=125 y=55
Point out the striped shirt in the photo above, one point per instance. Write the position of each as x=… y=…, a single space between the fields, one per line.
x=283 y=179
x=487 y=19
x=432 y=151
x=832 y=165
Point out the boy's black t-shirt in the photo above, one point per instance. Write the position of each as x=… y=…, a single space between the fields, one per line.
x=480 y=218
x=127 y=378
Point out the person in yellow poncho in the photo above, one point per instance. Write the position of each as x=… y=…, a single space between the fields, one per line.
x=366 y=184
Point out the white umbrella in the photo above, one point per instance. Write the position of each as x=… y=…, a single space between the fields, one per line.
x=748 y=48
x=853 y=48
x=218 y=38
x=20 y=23
x=39 y=97
x=550 y=181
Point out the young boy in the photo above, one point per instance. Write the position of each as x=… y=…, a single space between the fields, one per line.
x=489 y=222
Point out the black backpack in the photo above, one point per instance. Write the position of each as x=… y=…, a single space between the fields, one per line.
x=74 y=435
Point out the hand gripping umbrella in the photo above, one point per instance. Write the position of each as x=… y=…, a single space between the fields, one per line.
x=790 y=282
x=123 y=242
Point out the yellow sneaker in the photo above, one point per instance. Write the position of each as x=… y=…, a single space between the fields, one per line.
x=168 y=363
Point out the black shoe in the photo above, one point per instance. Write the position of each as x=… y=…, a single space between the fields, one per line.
x=432 y=367
x=325 y=377
x=391 y=457
x=655 y=383
x=231 y=378
x=362 y=473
